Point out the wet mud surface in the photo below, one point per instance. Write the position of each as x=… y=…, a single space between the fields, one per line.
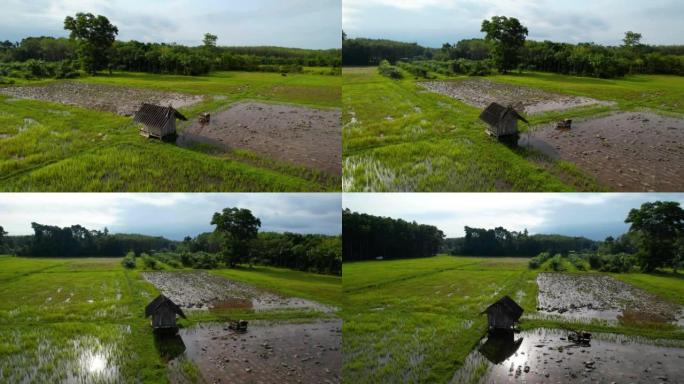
x=201 y=290
x=305 y=136
x=630 y=151
x=481 y=92
x=592 y=296
x=267 y=352
x=106 y=98
x=547 y=356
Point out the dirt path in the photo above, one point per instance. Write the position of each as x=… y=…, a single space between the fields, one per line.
x=546 y=356
x=481 y=92
x=107 y=98
x=267 y=352
x=300 y=135
x=201 y=290
x=590 y=296
x=629 y=151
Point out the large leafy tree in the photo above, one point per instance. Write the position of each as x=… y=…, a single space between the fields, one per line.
x=507 y=37
x=660 y=226
x=95 y=36
x=238 y=227
x=2 y=233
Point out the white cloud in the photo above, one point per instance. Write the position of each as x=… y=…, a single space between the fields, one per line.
x=514 y=211
x=433 y=22
x=168 y=214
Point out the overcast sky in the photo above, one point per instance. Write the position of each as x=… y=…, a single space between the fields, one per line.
x=593 y=215
x=433 y=22
x=173 y=215
x=289 y=23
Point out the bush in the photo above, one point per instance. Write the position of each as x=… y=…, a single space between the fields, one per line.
x=538 y=260
x=619 y=263
x=390 y=71
x=149 y=261
x=556 y=263
x=204 y=260
x=595 y=261
x=578 y=262
x=129 y=261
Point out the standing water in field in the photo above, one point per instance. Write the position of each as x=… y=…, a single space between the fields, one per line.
x=548 y=355
x=268 y=352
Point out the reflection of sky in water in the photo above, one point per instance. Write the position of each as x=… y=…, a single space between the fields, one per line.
x=96 y=363
x=547 y=355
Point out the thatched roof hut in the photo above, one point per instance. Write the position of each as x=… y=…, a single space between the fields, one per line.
x=502 y=121
x=158 y=121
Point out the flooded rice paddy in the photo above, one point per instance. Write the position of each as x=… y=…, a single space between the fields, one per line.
x=106 y=98
x=301 y=135
x=547 y=356
x=201 y=290
x=48 y=356
x=628 y=151
x=267 y=353
x=480 y=93
x=584 y=297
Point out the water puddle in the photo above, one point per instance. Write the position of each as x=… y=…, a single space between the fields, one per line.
x=267 y=353
x=548 y=355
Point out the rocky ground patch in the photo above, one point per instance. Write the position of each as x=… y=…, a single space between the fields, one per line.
x=106 y=98
x=481 y=92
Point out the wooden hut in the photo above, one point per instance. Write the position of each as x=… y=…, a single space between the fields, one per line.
x=163 y=312
x=502 y=121
x=158 y=121
x=503 y=314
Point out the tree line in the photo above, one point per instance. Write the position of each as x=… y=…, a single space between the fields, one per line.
x=92 y=47
x=235 y=241
x=505 y=48
x=78 y=241
x=502 y=242
x=367 y=237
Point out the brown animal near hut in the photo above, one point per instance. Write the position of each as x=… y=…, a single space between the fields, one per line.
x=163 y=312
x=158 y=121
x=502 y=121
x=503 y=314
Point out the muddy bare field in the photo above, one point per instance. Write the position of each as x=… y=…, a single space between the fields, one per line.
x=300 y=135
x=481 y=92
x=547 y=356
x=106 y=98
x=592 y=296
x=267 y=353
x=201 y=290
x=629 y=151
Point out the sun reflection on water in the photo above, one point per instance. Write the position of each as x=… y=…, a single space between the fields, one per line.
x=96 y=363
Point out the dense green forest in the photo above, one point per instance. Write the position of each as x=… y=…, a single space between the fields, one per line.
x=78 y=241
x=367 y=237
x=235 y=241
x=501 y=242
x=90 y=49
x=483 y=56
x=655 y=240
